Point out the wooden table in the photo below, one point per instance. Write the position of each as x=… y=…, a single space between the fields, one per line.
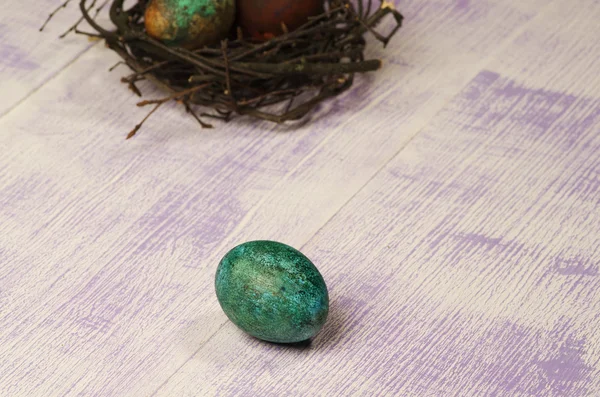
x=451 y=202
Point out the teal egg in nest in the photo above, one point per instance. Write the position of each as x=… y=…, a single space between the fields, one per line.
x=189 y=23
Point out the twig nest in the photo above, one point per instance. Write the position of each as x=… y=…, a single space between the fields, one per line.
x=263 y=19
x=189 y=23
x=281 y=79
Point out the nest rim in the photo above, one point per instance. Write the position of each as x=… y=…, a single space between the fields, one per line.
x=280 y=79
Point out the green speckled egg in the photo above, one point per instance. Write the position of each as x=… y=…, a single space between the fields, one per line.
x=189 y=23
x=272 y=292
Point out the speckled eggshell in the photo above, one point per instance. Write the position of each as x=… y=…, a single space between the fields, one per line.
x=189 y=23
x=272 y=291
x=262 y=18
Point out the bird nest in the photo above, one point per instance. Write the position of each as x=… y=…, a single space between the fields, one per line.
x=281 y=79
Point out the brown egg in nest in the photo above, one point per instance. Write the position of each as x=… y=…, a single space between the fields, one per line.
x=262 y=19
x=189 y=23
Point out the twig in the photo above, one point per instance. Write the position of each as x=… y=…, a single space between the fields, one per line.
x=109 y=36
x=261 y=97
x=60 y=7
x=176 y=95
x=137 y=127
x=115 y=65
x=319 y=69
x=229 y=91
x=191 y=111
x=134 y=88
x=146 y=70
x=91 y=36
x=74 y=27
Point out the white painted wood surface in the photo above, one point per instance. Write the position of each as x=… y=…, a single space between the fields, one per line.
x=28 y=58
x=452 y=203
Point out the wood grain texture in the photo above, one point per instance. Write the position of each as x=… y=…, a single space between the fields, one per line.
x=28 y=58
x=431 y=289
x=469 y=265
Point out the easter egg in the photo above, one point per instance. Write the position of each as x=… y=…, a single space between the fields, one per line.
x=262 y=18
x=272 y=292
x=189 y=23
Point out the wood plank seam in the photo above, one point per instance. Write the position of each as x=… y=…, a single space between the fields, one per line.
x=48 y=80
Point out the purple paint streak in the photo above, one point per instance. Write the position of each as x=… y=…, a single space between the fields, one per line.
x=463 y=4
x=12 y=56
x=565 y=372
x=480 y=241
x=575 y=267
